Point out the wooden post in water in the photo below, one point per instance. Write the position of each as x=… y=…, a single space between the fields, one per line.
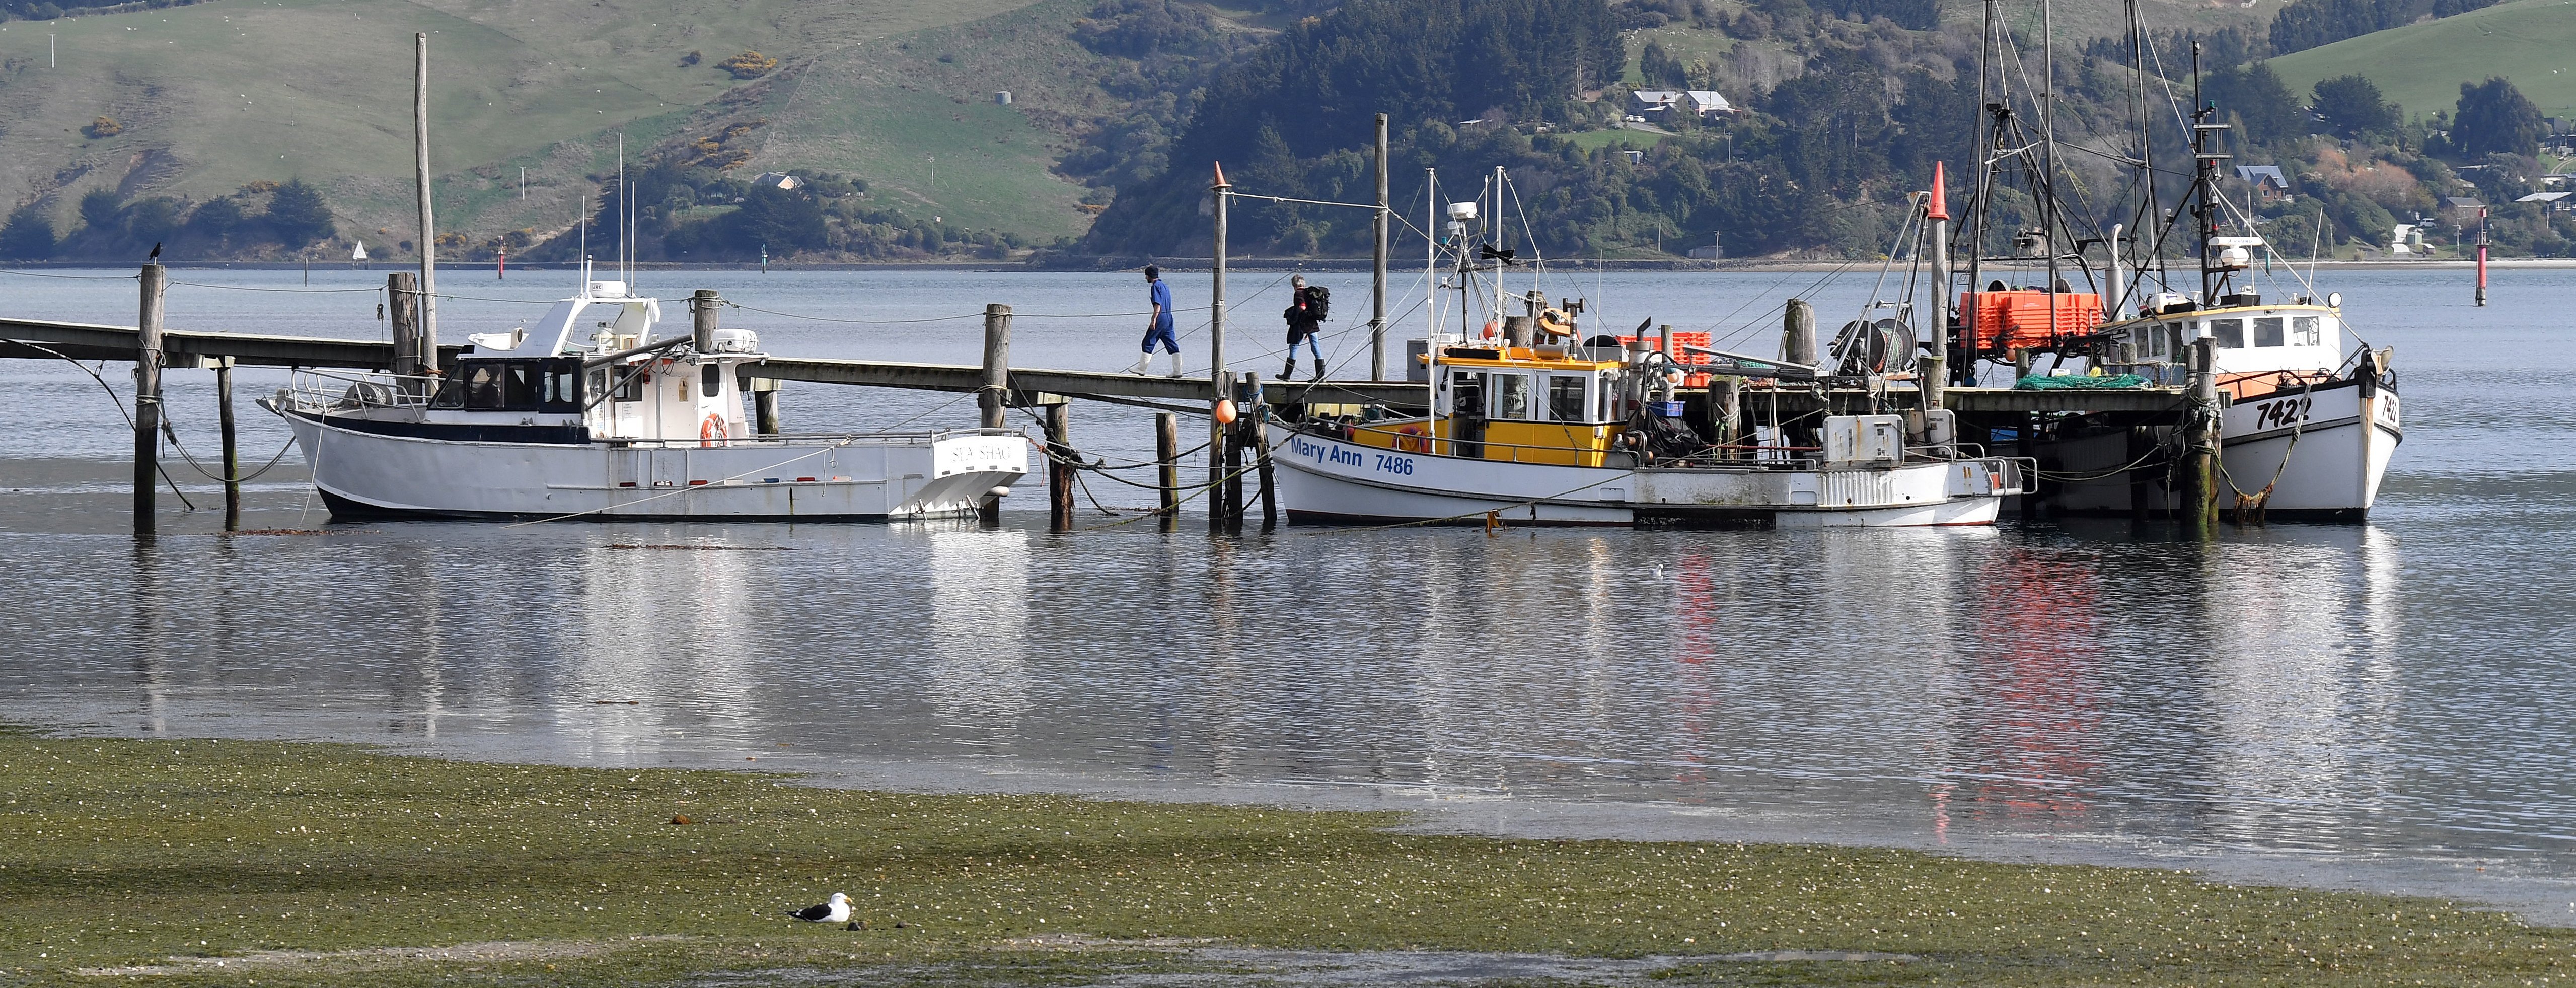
x=1798 y=333
x=1249 y=382
x=1727 y=397
x=1167 y=453
x=1060 y=472
x=428 y=297
x=402 y=304
x=232 y=449
x=2200 y=427
x=764 y=404
x=703 y=307
x=1377 y=267
x=147 y=399
x=1259 y=435
x=995 y=394
x=1219 y=437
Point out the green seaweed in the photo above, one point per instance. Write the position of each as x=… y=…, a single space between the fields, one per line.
x=126 y=853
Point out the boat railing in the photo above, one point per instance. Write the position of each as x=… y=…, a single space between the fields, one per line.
x=909 y=438
x=313 y=390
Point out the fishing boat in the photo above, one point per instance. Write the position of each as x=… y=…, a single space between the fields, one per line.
x=2193 y=297
x=589 y=414
x=1594 y=436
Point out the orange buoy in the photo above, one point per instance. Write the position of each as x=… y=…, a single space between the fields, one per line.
x=1225 y=413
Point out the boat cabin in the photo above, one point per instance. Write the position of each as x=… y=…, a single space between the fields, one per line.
x=1515 y=404
x=2258 y=347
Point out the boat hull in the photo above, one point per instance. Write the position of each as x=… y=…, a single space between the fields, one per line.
x=1324 y=480
x=367 y=474
x=2321 y=452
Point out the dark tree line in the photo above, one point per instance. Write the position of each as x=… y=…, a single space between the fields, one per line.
x=288 y=217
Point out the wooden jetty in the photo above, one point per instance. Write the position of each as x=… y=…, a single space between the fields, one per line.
x=152 y=347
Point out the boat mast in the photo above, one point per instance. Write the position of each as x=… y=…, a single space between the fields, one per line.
x=1963 y=363
x=2048 y=218
x=2204 y=165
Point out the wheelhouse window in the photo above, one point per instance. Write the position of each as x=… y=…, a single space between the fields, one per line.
x=2304 y=331
x=1512 y=397
x=1466 y=393
x=550 y=385
x=487 y=388
x=1565 y=397
x=2230 y=333
x=2267 y=331
x=711 y=380
x=631 y=387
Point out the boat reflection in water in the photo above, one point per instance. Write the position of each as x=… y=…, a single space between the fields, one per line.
x=664 y=661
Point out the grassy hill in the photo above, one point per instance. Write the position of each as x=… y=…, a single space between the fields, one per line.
x=2421 y=66
x=218 y=94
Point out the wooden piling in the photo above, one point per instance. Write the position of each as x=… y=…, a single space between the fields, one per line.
x=1260 y=437
x=1167 y=457
x=428 y=297
x=147 y=398
x=1798 y=333
x=232 y=449
x=1060 y=472
x=1234 y=451
x=764 y=404
x=1726 y=396
x=1219 y=436
x=703 y=308
x=2199 y=507
x=995 y=394
x=402 y=304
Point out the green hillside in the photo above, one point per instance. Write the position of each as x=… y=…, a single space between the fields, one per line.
x=218 y=94
x=2421 y=66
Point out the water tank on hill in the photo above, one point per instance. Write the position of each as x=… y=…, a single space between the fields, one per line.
x=1003 y=97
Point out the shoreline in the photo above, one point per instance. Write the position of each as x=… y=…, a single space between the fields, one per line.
x=319 y=859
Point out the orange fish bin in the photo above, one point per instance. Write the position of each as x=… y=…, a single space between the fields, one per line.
x=2019 y=318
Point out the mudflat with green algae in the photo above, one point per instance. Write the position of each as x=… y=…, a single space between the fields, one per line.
x=228 y=862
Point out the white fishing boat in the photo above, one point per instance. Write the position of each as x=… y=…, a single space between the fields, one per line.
x=2307 y=413
x=2308 y=421
x=544 y=422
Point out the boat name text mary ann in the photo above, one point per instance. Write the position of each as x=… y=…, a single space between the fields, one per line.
x=1344 y=456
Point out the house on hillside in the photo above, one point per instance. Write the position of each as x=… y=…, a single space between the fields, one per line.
x=2552 y=202
x=1654 y=103
x=2461 y=210
x=2268 y=182
x=778 y=180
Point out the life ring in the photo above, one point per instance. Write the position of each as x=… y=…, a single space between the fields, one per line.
x=1409 y=440
x=712 y=431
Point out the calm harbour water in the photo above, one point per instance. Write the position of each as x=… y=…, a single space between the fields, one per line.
x=2376 y=706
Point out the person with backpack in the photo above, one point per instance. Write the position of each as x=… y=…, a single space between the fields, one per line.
x=1305 y=315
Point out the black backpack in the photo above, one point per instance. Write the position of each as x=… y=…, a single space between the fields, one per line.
x=1319 y=302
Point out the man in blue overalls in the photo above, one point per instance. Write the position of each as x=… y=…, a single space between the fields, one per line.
x=1159 y=326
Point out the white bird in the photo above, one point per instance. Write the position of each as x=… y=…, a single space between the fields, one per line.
x=835 y=911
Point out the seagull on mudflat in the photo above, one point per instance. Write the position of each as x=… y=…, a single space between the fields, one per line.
x=835 y=911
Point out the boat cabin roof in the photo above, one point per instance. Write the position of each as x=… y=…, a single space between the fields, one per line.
x=1520 y=358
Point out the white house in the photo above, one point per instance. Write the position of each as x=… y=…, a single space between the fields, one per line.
x=1700 y=102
